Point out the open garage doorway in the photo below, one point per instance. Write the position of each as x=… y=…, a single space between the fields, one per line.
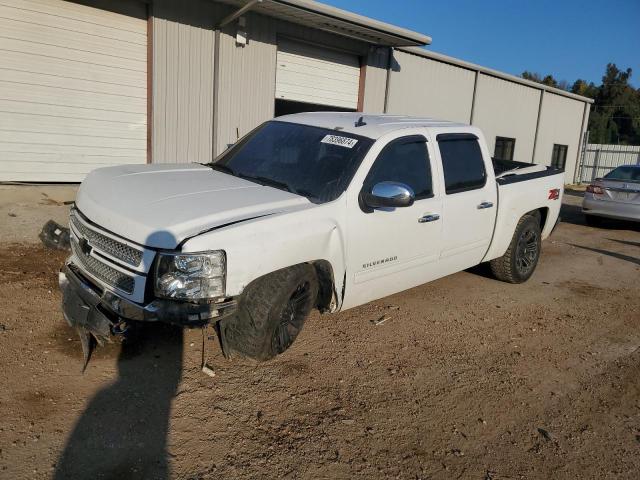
x=287 y=107
x=311 y=78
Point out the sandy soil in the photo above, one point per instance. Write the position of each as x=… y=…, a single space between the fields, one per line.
x=468 y=378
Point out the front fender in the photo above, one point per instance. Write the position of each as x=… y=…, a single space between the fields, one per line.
x=264 y=245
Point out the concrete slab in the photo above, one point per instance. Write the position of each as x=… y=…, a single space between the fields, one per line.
x=24 y=209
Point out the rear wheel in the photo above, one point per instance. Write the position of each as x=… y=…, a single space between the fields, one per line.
x=521 y=258
x=271 y=313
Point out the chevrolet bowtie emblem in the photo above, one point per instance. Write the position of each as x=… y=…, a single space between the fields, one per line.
x=84 y=246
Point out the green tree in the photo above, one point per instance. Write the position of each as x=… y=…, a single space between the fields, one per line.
x=615 y=114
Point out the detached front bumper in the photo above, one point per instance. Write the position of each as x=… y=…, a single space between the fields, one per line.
x=85 y=305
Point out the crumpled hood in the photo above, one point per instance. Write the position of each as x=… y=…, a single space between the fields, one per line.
x=161 y=205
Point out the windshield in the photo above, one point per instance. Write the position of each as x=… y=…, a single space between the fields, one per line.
x=314 y=162
x=626 y=173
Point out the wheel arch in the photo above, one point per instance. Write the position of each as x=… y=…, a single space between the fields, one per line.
x=327 y=294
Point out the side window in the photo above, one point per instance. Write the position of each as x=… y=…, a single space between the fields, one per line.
x=504 y=148
x=559 y=156
x=462 y=162
x=405 y=160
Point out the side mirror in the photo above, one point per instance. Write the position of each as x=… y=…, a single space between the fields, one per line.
x=389 y=195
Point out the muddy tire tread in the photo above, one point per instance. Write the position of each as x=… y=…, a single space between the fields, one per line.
x=503 y=268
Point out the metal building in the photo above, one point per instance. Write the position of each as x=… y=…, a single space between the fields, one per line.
x=96 y=82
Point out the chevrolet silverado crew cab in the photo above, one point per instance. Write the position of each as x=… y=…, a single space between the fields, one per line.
x=316 y=210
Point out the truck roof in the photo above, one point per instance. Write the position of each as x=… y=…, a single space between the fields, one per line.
x=374 y=125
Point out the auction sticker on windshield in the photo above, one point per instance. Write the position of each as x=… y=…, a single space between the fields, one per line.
x=341 y=141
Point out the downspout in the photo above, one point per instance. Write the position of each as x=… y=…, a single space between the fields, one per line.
x=535 y=137
x=473 y=98
x=216 y=82
x=388 y=80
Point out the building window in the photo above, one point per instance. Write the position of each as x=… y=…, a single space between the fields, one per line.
x=504 y=148
x=462 y=163
x=559 y=156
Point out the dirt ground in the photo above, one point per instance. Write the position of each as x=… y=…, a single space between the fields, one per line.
x=468 y=378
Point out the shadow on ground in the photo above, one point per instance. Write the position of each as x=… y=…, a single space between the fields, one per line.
x=573 y=214
x=619 y=256
x=122 y=433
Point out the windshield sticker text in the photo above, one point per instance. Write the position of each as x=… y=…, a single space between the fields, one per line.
x=340 y=141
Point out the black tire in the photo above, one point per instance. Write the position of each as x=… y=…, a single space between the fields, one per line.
x=593 y=221
x=521 y=258
x=271 y=313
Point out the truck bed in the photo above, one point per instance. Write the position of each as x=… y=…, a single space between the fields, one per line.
x=509 y=171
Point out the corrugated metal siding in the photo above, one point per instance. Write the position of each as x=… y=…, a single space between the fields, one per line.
x=507 y=109
x=560 y=122
x=376 y=80
x=421 y=86
x=72 y=88
x=183 y=63
x=246 y=82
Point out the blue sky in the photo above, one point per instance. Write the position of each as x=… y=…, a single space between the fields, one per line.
x=568 y=38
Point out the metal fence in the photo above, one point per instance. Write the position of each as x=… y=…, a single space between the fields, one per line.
x=597 y=160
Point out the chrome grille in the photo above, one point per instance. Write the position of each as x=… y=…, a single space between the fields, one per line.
x=108 y=245
x=103 y=272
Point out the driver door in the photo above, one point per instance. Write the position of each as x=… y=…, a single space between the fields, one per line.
x=393 y=249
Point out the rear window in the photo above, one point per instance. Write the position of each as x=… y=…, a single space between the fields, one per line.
x=627 y=173
x=462 y=163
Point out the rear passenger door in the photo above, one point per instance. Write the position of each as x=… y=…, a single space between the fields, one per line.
x=470 y=201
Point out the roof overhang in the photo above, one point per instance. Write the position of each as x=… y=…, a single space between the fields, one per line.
x=330 y=19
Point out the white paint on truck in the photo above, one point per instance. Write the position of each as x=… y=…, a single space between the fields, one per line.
x=262 y=229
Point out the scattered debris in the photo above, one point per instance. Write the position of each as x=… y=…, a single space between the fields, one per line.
x=54 y=235
x=489 y=475
x=381 y=320
x=3 y=328
x=456 y=452
x=348 y=421
x=546 y=435
x=393 y=307
x=207 y=370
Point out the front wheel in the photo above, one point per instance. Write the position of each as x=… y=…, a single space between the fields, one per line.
x=521 y=258
x=271 y=313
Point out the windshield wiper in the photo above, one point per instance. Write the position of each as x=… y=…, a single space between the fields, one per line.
x=268 y=181
x=220 y=168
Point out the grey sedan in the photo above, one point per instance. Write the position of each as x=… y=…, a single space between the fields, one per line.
x=616 y=195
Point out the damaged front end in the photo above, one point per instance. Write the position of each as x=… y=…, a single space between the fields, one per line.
x=99 y=316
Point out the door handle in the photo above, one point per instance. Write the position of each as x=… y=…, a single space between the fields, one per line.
x=485 y=205
x=429 y=217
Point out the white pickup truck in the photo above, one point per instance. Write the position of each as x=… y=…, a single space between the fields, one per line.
x=318 y=210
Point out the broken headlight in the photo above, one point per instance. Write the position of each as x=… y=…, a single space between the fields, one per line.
x=191 y=276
